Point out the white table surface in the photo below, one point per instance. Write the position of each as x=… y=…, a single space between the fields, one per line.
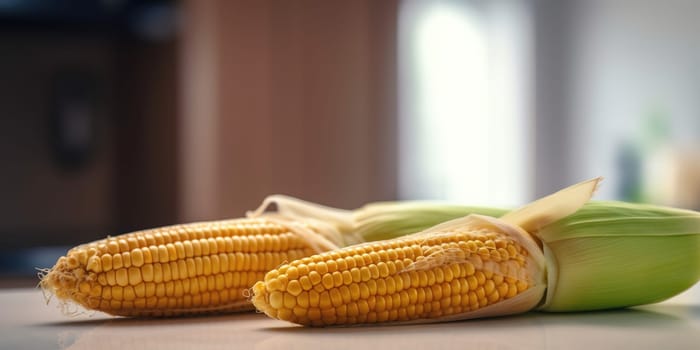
x=26 y=322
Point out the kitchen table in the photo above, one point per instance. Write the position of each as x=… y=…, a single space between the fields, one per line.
x=27 y=322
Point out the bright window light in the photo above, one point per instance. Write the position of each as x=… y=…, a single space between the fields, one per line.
x=464 y=130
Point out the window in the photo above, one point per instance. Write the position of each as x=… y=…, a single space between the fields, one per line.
x=464 y=130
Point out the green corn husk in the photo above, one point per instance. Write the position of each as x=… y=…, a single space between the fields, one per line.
x=615 y=254
x=387 y=220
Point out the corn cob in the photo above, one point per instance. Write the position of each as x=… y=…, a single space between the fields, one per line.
x=181 y=269
x=429 y=276
x=606 y=255
x=200 y=267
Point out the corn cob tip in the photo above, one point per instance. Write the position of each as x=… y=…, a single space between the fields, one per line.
x=261 y=299
x=62 y=281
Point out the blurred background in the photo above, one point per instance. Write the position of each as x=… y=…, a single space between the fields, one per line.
x=118 y=115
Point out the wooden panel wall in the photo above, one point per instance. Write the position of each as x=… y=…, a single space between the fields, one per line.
x=294 y=97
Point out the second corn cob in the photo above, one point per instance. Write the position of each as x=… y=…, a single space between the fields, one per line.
x=605 y=255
